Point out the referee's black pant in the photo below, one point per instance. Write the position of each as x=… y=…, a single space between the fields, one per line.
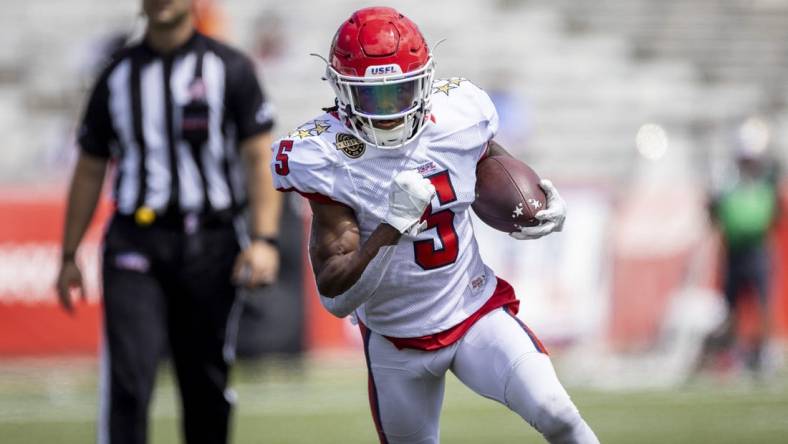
x=161 y=284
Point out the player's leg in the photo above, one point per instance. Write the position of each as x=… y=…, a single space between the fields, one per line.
x=721 y=339
x=134 y=337
x=405 y=390
x=760 y=270
x=735 y=278
x=501 y=359
x=203 y=323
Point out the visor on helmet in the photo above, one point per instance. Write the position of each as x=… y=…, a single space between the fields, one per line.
x=386 y=99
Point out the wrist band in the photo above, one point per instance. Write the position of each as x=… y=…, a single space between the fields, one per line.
x=270 y=240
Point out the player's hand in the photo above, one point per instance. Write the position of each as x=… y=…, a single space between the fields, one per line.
x=257 y=264
x=410 y=194
x=550 y=219
x=69 y=279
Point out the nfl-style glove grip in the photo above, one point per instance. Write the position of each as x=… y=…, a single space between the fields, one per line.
x=551 y=218
x=410 y=194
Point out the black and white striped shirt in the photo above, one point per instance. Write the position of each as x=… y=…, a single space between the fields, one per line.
x=173 y=123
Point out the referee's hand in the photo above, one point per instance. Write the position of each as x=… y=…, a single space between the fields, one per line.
x=256 y=265
x=69 y=279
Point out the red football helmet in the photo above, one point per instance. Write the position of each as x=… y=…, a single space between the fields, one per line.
x=381 y=71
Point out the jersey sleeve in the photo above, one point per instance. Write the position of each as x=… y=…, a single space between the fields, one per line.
x=479 y=108
x=459 y=105
x=488 y=115
x=96 y=132
x=247 y=103
x=305 y=167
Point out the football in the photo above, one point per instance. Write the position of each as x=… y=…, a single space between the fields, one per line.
x=507 y=194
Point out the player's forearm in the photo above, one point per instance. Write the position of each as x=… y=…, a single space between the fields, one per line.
x=265 y=203
x=342 y=271
x=364 y=288
x=83 y=196
x=356 y=276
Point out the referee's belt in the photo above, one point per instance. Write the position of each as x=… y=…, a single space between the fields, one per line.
x=188 y=222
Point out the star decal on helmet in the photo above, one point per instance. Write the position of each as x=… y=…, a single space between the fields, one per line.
x=446 y=85
x=314 y=128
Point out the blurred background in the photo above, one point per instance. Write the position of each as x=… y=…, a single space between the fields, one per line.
x=642 y=112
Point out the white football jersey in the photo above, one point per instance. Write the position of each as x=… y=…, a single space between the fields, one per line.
x=436 y=279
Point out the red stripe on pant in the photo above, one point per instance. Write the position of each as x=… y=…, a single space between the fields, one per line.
x=537 y=343
x=371 y=388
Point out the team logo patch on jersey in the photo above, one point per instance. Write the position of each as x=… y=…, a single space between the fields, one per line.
x=351 y=145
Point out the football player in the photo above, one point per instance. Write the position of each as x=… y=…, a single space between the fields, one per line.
x=390 y=175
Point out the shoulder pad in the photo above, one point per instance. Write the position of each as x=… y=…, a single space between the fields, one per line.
x=305 y=165
x=472 y=101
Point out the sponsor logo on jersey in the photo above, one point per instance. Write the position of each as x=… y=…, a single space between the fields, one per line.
x=382 y=70
x=478 y=282
x=426 y=168
x=351 y=145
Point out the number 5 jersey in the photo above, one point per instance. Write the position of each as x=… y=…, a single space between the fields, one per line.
x=437 y=279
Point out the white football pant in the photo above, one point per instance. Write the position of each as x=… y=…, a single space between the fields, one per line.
x=498 y=358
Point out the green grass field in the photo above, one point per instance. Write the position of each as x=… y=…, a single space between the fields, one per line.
x=325 y=401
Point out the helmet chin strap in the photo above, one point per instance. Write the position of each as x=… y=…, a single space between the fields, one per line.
x=385 y=138
x=394 y=138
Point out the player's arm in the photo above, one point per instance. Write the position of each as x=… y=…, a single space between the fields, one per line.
x=83 y=197
x=338 y=257
x=348 y=271
x=551 y=218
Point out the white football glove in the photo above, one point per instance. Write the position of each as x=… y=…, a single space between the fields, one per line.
x=550 y=219
x=410 y=194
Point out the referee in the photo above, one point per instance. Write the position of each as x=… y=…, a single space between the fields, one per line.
x=183 y=121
